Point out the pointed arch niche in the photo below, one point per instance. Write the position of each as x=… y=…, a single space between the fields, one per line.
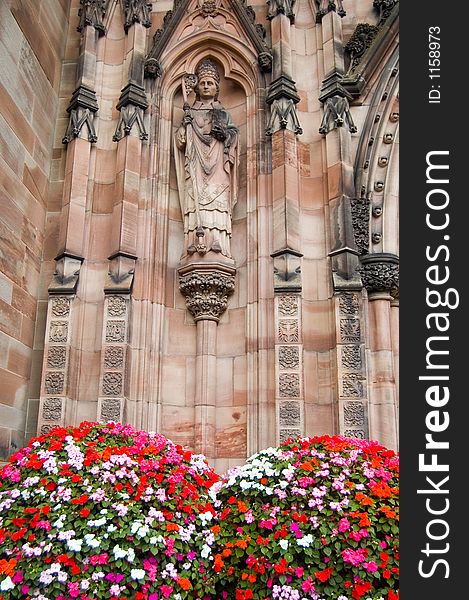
x=244 y=416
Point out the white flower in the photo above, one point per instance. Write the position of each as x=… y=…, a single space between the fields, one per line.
x=130 y=555
x=91 y=540
x=305 y=541
x=137 y=573
x=74 y=545
x=7 y=584
x=283 y=544
x=119 y=552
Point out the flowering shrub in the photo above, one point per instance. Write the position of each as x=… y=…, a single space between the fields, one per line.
x=315 y=518
x=105 y=511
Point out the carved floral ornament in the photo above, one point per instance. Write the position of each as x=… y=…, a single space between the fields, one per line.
x=380 y=273
x=206 y=293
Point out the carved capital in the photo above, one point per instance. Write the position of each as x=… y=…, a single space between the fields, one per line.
x=206 y=289
x=327 y=6
x=336 y=114
x=136 y=11
x=67 y=271
x=281 y=7
x=82 y=109
x=91 y=12
x=380 y=273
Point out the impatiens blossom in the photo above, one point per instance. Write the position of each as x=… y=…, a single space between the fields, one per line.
x=323 y=523
x=105 y=511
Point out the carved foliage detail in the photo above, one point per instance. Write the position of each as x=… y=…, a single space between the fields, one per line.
x=56 y=357
x=288 y=331
x=354 y=414
x=360 y=222
x=112 y=383
x=114 y=357
x=349 y=304
x=116 y=306
x=52 y=409
x=351 y=357
x=288 y=305
x=60 y=306
x=58 y=331
x=115 y=331
x=110 y=410
x=289 y=414
x=381 y=276
x=54 y=382
x=289 y=357
x=206 y=294
x=360 y=41
x=289 y=385
x=350 y=330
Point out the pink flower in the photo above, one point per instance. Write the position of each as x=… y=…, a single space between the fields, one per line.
x=299 y=571
x=354 y=557
x=307 y=586
x=370 y=566
x=166 y=590
x=344 y=524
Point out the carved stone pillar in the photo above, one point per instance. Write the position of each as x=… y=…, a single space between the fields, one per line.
x=380 y=275
x=351 y=366
x=289 y=367
x=55 y=405
x=206 y=287
x=114 y=369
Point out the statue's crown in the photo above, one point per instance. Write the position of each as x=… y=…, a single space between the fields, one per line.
x=207 y=68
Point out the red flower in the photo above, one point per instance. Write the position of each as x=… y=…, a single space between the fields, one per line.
x=325 y=574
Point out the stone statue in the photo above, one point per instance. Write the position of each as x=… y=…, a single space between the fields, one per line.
x=206 y=159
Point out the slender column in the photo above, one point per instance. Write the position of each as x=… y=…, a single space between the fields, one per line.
x=380 y=275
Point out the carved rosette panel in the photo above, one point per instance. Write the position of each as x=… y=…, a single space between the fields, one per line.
x=52 y=404
x=206 y=293
x=289 y=366
x=352 y=385
x=111 y=401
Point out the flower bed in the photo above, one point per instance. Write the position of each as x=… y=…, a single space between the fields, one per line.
x=315 y=519
x=105 y=511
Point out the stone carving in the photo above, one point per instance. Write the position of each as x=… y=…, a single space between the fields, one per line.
x=58 y=331
x=288 y=331
x=289 y=414
x=54 y=382
x=56 y=357
x=206 y=164
x=326 y=6
x=354 y=414
x=360 y=41
x=46 y=428
x=285 y=434
x=151 y=68
x=385 y=8
x=283 y=115
x=115 y=331
x=209 y=8
x=355 y=433
x=245 y=15
x=288 y=305
x=336 y=114
x=129 y=115
x=207 y=293
x=281 y=7
x=91 y=12
x=52 y=409
x=60 y=306
x=360 y=222
x=110 y=410
x=349 y=304
x=113 y=357
x=289 y=385
x=82 y=109
x=136 y=11
x=352 y=385
x=116 y=306
x=351 y=357
x=112 y=384
x=350 y=330
x=380 y=273
x=289 y=357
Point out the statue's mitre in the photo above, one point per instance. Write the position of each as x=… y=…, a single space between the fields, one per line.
x=207 y=68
